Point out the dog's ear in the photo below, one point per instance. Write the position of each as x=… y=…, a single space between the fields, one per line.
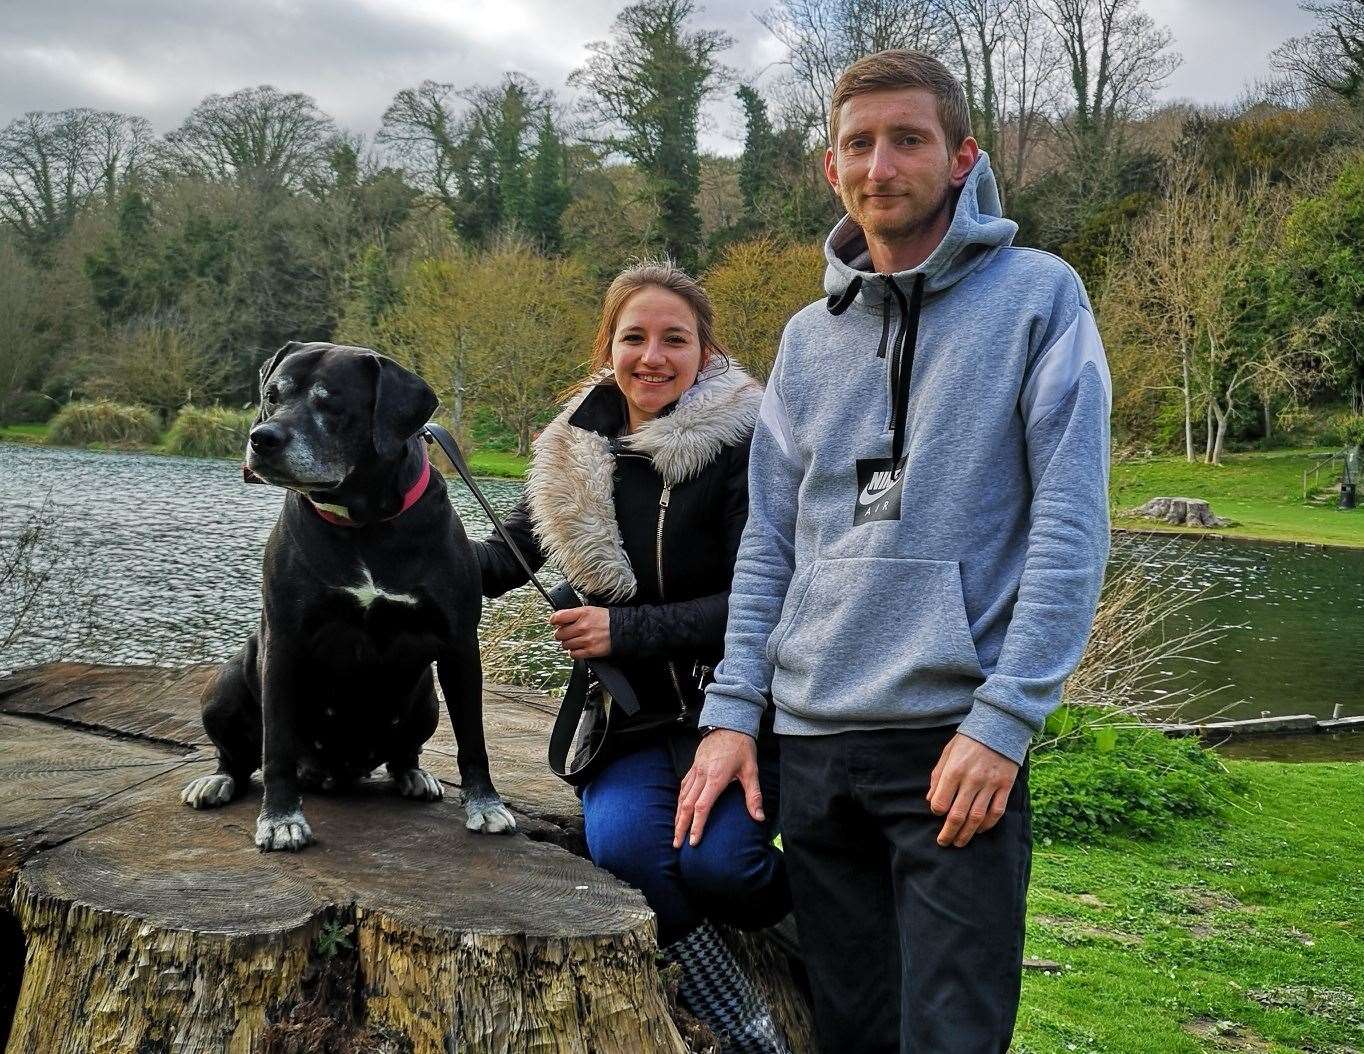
x=403 y=403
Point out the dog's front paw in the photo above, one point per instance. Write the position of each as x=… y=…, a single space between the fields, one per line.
x=486 y=812
x=418 y=783
x=206 y=792
x=286 y=831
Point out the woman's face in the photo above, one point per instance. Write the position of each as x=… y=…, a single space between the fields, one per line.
x=655 y=351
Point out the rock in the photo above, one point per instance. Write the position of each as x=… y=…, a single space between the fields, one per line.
x=1189 y=512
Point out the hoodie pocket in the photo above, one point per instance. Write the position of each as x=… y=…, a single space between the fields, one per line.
x=872 y=636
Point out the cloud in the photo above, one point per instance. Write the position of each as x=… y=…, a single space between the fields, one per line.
x=158 y=58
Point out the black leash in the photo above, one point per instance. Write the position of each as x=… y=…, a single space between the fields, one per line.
x=446 y=442
x=607 y=674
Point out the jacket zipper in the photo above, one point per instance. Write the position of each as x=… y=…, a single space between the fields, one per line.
x=663 y=499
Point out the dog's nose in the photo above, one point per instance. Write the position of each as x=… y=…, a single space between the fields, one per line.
x=267 y=438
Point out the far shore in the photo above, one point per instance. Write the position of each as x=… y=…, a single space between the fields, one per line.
x=497 y=463
x=1261 y=492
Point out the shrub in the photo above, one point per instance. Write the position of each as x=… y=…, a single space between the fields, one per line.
x=209 y=431
x=1342 y=428
x=1094 y=776
x=30 y=408
x=102 y=421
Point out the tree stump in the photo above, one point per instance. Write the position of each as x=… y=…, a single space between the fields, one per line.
x=1189 y=512
x=148 y=926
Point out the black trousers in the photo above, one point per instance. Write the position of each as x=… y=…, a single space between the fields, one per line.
x=910 y=946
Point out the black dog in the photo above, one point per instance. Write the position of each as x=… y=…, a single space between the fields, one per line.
x=368 y=579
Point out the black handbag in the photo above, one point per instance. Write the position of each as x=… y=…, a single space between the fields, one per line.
x=584 y=723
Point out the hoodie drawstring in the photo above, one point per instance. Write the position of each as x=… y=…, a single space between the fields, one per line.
x=902 y=361
x=906 y=335
x=839 y=304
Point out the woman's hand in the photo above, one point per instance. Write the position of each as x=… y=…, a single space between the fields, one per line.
x=585 y=633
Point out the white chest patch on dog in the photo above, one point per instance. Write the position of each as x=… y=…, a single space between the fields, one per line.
x=368 y=591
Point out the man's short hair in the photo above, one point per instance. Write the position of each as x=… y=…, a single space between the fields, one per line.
x=901 y=68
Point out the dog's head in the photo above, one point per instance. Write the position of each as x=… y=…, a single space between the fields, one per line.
x=326 y=409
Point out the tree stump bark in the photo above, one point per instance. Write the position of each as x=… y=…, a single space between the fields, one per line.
x=147 y=926
x=1189 y=512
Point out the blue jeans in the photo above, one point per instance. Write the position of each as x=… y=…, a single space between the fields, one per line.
x=735 y=875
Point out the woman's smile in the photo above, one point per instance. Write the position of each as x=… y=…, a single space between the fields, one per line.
x=655 y=352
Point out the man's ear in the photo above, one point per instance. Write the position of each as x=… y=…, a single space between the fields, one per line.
x=267 y=371
x=403 y=403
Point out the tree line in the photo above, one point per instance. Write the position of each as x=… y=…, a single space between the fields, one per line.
x=474 y=234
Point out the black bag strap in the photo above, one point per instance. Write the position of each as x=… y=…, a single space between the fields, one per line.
x=608 y=674
x=566 y=724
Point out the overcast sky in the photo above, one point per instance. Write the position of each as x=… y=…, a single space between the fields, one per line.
x=158 y=58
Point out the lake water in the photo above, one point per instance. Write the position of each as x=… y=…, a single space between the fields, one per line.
x=157 y=559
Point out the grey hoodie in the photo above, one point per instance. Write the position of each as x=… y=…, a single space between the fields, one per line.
x=974 y=603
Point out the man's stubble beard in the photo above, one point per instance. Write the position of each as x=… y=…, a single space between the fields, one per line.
x=900 y=230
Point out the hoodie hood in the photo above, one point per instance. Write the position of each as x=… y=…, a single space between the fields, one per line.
x=977 y=230
x=570 y=487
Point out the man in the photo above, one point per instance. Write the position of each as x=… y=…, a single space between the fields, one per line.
x=927 y=534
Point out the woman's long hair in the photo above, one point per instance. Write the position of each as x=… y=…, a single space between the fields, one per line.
x=666 y=275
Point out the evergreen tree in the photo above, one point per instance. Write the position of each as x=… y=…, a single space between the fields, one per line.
x=757 y=165
x=548 y=194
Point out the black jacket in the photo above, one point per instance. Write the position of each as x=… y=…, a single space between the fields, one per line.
x=647 y=525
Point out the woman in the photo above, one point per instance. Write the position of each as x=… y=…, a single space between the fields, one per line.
x=638 y=491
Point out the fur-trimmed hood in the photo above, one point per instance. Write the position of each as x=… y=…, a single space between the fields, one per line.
x=570 y=488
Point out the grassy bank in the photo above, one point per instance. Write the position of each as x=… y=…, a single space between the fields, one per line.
x=1241 y=937
x=23 y=433
x=1261 y=492
x=482 y=462
x=497 y=463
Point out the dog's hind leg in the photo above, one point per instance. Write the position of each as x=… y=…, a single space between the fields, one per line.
x=461 y=679
x=231 y=716
x=414 y=728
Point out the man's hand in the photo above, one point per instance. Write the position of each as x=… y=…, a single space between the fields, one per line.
x=585 y=633
x=970 y=785
x=721 y=758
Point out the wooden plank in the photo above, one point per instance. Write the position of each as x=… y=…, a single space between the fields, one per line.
x=1261 y=726
x=1342 y=724
x=54 y=686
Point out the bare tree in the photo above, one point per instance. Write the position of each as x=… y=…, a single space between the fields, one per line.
x=1029 y=87
x=1282 y=367
x=51 y=163
x=1173 y=309
x=424 y=130
x=23 y=346
x=158 y=360
x=1170 y=290
x=1116 y=58
x=1010 y=63
x=259 y=136
x=1329 y=61
x=979 y=28
x=472 y=148
x=47 y=602
x=824 y=37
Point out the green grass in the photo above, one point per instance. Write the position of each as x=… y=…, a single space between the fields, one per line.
x=1261 y=492
x=1245 y=935
x=36 y=433
x=497 y=463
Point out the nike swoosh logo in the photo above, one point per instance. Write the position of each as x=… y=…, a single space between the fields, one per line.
x=868 y=496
